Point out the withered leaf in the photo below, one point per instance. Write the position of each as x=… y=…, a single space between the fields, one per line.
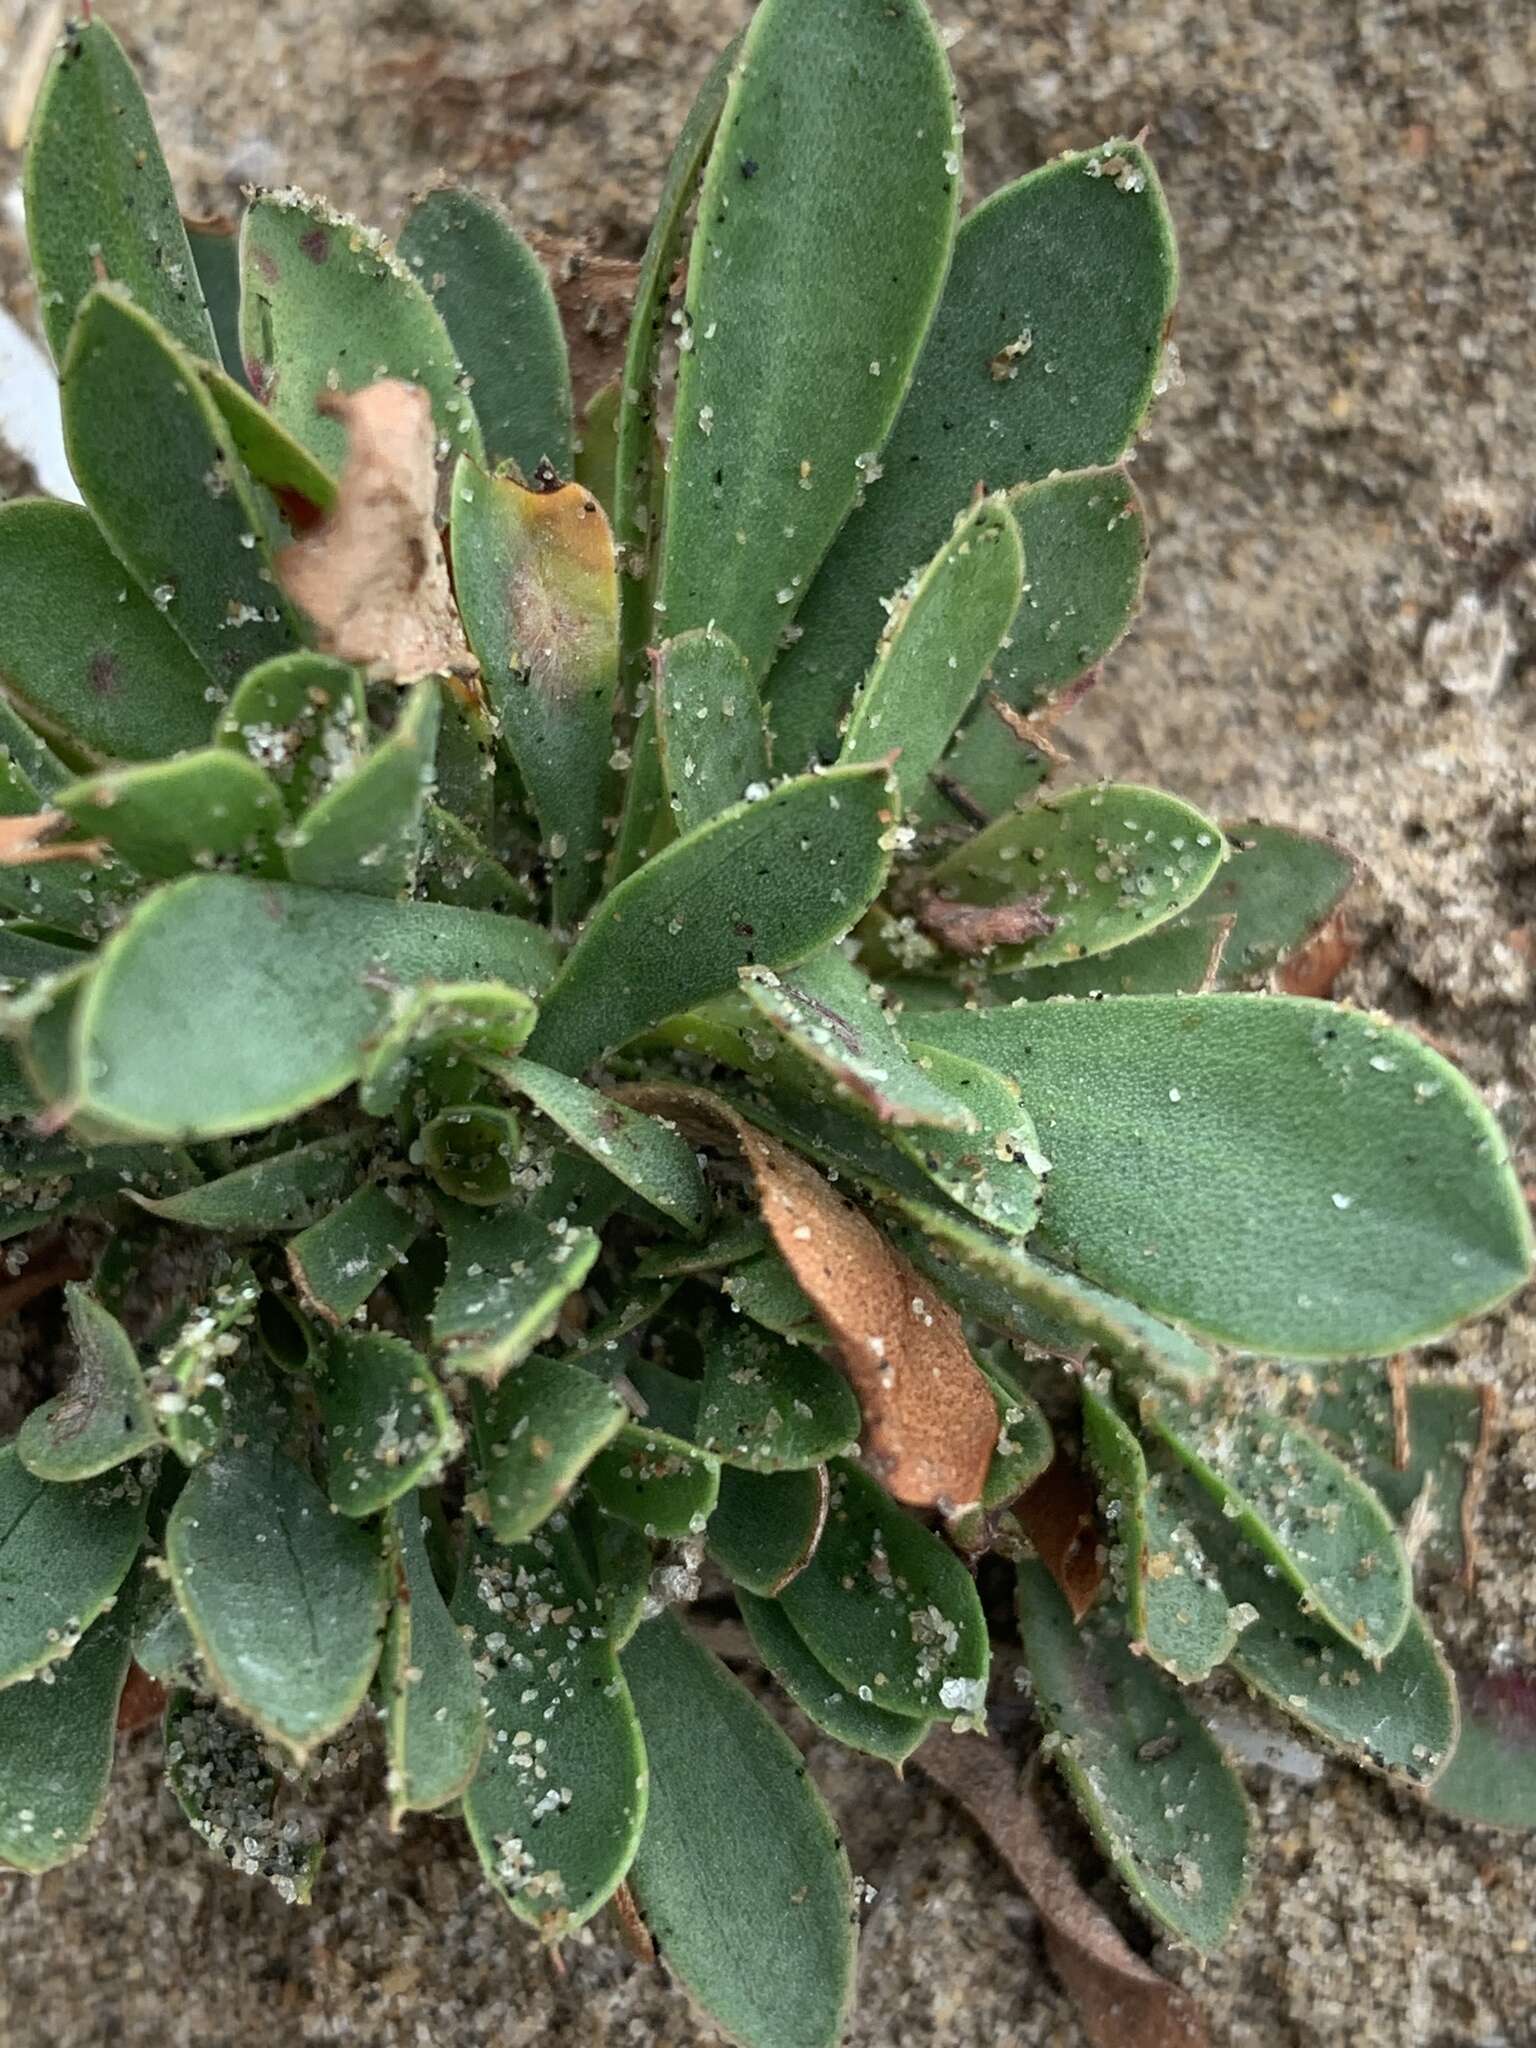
x=1058 y=1515
x=25 y=841
x=373 y=579
x=1121 y=2001
x=929 y=1416
x=971 y=928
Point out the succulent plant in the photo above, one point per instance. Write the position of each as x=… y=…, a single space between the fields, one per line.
x=602 y=1073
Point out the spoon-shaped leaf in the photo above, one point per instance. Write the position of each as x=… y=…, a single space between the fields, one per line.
x=103 y=1416
x=280 y=1192
x=766 y=1526
x=58 y=1742
x=505 y=1283
x=64 y=1552
x=661 y=1484
x=364 y=835
x=168 y=818
x=709 y=726
x=434 y=1721
x=303 y=718
x=339 y=1261
x=854 y=1722
x=388 y=1426
x=535 y=1435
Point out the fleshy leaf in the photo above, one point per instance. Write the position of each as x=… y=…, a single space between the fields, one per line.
x=157 y=466
x=214 y=240
x=806 y=305
x=162 y=1643
x=619 y=1558
x=709 y=726
x=99 y=198
x=832 y=1015
x=768 y=1405
x=945 y=627
x=506 y=1280
x=277 y=990
x=595 y=453
x=1491 y=1776
x=643 y=1152
x=558 y=1802
x=535 y=1435
x=303 y=718
x=364 y=835
x=501 y=317
x=103 y=1415
x=1368 y=1206
x=465 y=1020
x=339 y=1261
x=1162 y=1800
x=766 y=1526
x=1072 y=875
x=58 y=1742
x=83 y=650
x=536 y=578
x=854 y=1722
x=885 y=1605
x=763 y=884
x=189 y=1381
x=209 y=808
x=763 y=1288
x=1300 y=1507
x=301 y=489
x=1175 y=1606
x=285 y=1599
x=1025 y=1446
x=739 y=1873
x=388 y=1426
x=434 y=1721
x=995 y=1176
x=325 y=308
x=65 y=1550
x=1072 y=269
x=230 y=1785
x=471 y=1151
x=657 y=1482
x=280 y=1192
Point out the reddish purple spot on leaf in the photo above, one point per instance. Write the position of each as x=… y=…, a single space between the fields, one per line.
x=101 y=674
x=316 y=245
x=266 y=263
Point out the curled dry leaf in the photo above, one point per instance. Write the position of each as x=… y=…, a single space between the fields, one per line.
x=1121 y=2000
x=971 y=928
x=1059 y=1516
x=25 y=841
x=929 y=1416
x=633 y=1931
x=373 y=578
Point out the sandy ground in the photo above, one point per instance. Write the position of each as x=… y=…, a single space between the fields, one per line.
x=1340 y=634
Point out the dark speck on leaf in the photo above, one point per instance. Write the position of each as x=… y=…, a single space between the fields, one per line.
x=101 y=674
x=749 y=167
x=316 y=245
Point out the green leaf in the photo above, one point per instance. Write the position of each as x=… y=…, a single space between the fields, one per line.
x=471 y=1151
x=1283 y=1174
x=434 y=1721
x=456 y=868
x=214 y=240
x=764 y=1289
x=83 y=650
x=1175 y=1606
x=507 y=1278
x=740 y=1874
x=280 y=1192
x=301 y=489
x=188 y=1384
x=1082 y=268
x=158 y=468
x=58 y=1741
x=996 y=1175
x=301 y=717
x=1026 y=1297
x=388 y=1426
x=885 y=1605
x=1025 y=1445
x=364 y=834
x=763 y=884
x=832 y=1015
x=766 y=1526
x=709 y=726
x=1491 y=1776
x=1447 y=1428
x=855 y=1723
x=537 y=582
x=279 y=988
x=620 y=1561
x=286 y=1600
x=1162 y=1800
x=1303 y=1509
x=103 y=1415
x=596 y=451
x=169 y=818
x=1397 y=1713
x=1097 y=866
x=660 y=1484
x=735 y=1239
x=232 y=1787
x=162 y=1642
x=646 y=1155
x=535 y=1436
x=559 y=1800
x=65 y=1550
x=945 y=626
x=339 y=1261
x=769 y=1405
x=1182 y=957
x=465 y=1019
x=99 y=199
x=811 y=282
x=501 y=317
x=990 y=768
x=326 y=307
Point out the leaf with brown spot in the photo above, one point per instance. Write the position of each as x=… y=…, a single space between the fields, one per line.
x=1121 y=2001
x=929 y=1416
x=1058 y=1515
x=373 y=579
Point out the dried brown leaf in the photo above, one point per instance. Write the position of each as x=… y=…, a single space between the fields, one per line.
x=971 y=928
x=1121 y=2001
x=633 y=1931
x=1315 y=969
x=1059 y=1515
x=25 y=841
x=373 y=578
x=929 y=1416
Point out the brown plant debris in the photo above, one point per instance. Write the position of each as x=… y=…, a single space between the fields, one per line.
x=971 y=928
x=373 y=579
x=929 y=1417
x=1059 y=1516
x=1121 y=2001
x=27 y=840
